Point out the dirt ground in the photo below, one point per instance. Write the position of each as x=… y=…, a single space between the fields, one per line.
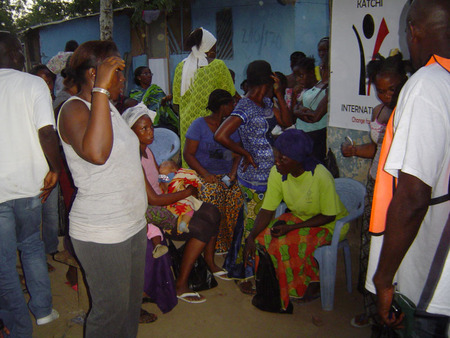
x=227 y=312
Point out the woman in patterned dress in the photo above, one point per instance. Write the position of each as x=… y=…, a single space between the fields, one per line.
x=196 y=77
x=213 y=162
x=255 y=117
x=308 y=190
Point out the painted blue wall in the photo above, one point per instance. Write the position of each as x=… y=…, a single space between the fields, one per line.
x=53 y=38
x=265 y=30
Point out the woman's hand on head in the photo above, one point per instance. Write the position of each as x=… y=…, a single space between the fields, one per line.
x=276 y=84
x=106 y=71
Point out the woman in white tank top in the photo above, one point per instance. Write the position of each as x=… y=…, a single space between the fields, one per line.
x=107 y=220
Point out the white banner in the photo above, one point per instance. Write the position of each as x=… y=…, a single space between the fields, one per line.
x=359 y=30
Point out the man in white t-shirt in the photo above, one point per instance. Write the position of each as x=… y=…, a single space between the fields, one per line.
x=417 y=233
x=30 y=166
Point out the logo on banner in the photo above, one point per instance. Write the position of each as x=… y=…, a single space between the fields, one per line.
x=369 y=32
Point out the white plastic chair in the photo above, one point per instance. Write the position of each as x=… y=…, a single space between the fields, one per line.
x=352 y=195
x=165 y=145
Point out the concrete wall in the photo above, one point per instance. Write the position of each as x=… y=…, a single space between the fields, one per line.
x=53 y=38
x=265 y=30
x=270 y=31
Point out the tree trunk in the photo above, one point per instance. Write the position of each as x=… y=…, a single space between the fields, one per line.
x=106 y=20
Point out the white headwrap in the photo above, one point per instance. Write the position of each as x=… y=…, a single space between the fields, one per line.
x=196 y=59
x=132 y=114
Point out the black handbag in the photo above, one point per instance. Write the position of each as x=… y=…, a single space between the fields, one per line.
x=200 y=278
x=331 y=163
x=267 y=296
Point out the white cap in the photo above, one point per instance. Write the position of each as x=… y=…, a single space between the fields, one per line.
x=132 y=114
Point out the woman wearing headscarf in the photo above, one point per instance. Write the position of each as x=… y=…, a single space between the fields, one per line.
x=308 y=190
x=196 y=77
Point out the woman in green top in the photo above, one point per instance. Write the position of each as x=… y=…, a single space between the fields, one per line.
x=196 y=77
x=154 y=98
x=308 y=190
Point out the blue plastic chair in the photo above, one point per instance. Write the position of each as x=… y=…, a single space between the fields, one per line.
x=165 y=145
x=352 y=194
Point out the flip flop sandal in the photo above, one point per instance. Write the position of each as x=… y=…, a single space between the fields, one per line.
x=360 y=321
x=222 y=274
x=184 y=297
x=147 y=317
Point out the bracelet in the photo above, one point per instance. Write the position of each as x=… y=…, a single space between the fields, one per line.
x=101 y=90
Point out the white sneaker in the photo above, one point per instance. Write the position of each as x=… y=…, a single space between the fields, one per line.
x=48 y=319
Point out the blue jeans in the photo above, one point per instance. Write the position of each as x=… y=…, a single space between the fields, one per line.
x=20 y=221
x=50 y=222
x=432 y=326
x=8 y=321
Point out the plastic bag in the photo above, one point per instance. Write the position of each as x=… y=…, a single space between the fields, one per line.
x=200 y=277
x=267 y=296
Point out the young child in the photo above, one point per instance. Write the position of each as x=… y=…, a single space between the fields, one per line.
x=140 y=119
x=173 y=179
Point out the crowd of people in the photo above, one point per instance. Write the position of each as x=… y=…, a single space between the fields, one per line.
x=240 y=158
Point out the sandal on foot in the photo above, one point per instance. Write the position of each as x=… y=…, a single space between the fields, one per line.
x=146 y=317
x=185 y=297
x=247 y=287
x=360 y=321
x=222 y=274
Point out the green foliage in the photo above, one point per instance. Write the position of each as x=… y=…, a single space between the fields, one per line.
x=8 y=12
x=44 y=11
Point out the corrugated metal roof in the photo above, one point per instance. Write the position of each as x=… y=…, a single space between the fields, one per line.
x=126 y=10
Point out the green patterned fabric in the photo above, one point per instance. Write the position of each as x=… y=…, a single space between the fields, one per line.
x=152 y=99
x=193 y=103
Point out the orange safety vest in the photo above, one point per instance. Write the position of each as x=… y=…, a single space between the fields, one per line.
x=385 y=183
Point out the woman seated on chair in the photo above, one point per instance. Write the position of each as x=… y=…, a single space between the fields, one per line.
x=214 y=163
x=203 y=227
x=309 y=192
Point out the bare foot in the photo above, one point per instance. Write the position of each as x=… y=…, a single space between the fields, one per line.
x=247 y=287
x=215 y=268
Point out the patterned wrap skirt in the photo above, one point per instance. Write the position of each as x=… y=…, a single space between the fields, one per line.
x=293 y=256
x=229 y=201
